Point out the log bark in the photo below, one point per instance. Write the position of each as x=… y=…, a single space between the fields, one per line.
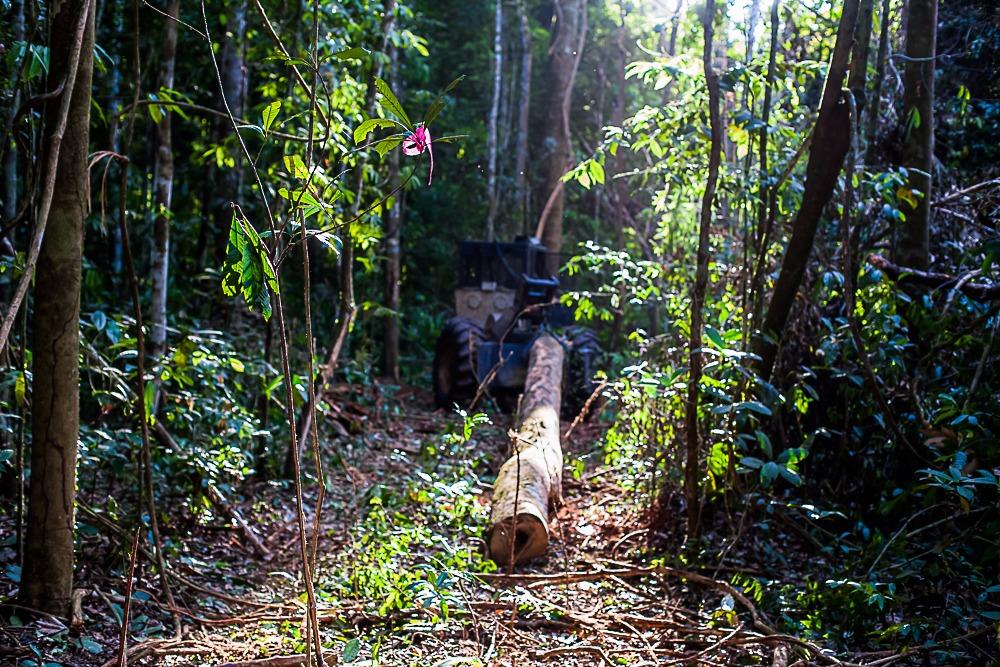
x=530 y=481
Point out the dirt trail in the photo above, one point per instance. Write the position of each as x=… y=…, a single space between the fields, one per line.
x=401 y=579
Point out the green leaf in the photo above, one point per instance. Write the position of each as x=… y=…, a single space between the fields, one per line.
x=391 y=103
x=247 y=269
x=90 y=646
x=296 y=167
x=362 y=131
x=270 y=113
x=20 y=389
x=353 y=53
x=383 y=146
x=769 y=472
x=351 y=650
x=753 y=406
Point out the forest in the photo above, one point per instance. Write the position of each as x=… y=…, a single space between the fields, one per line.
x=499 y=332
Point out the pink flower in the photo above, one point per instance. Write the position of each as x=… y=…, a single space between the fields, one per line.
x=417 y=142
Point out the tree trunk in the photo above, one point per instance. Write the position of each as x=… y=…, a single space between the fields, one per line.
x=491 y=139
x=876 y=101
x=523 y=109
x=47 y=582
x=10 y=150
x=393 y=250
x=530 y=481
x=913 y=247
x=347 y=308
x=831 y=139
x=857 y=81
x=692 y=473
x=567 y=47
x=233 y=71
x=163 y=186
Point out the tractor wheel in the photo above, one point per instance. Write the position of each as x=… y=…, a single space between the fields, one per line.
x=455 y=379
x=585 y=356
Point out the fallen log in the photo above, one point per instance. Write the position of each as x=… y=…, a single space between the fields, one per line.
x=530 y=481
x=906 y=275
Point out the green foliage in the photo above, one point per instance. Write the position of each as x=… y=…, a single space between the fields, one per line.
x=248 y=270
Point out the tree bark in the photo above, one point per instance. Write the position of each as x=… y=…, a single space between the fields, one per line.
x=163 y=186
x=566 y=49
x=831 y=139
x=393 y=251
x=523 y=115
x=876 y=100
x=347 y=308
x=692 y=472
x=491 y=139
x=858 y=79
x=10 y=152
x=530 y=481
x=913 y=245
x=47 y=581
x=233 y=72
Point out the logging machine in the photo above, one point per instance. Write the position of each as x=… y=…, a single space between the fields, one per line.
x=506 y=296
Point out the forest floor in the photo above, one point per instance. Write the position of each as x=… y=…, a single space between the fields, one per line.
x=401 y=577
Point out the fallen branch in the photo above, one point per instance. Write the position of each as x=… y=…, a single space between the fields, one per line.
x=956 y=196
x=906 y=275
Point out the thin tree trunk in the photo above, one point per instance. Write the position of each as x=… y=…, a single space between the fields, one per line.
x=393 y=229
x=232 y=65
x=831 y=139
x=10 y=153
x=857 y=81
x=566 y=50
x=767 y=193
x=692 y=473
x=913 y=247
x=47 y=581
x=523 y=109
x=876 y=101
x=491 y=140
x=347 y=309
x=675 y=22
x=163 y=186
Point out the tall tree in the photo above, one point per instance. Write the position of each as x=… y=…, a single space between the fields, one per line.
x=233 y=72
x=393 y=250
x=830 y=141
x=523 y=110
x=163 y=189
x=691 y=467
x=10 y=150
x=876 y=100
x=47 y=580
x=569 y=33
x=913 y=245
x=491 y=140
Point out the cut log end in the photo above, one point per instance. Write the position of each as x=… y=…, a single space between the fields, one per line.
x=528 y=539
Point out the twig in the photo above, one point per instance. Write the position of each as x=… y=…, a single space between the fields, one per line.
x=127 y=608
x=570 y=650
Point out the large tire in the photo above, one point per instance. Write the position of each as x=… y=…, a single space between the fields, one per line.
x=455 y=375
x=585 y=359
